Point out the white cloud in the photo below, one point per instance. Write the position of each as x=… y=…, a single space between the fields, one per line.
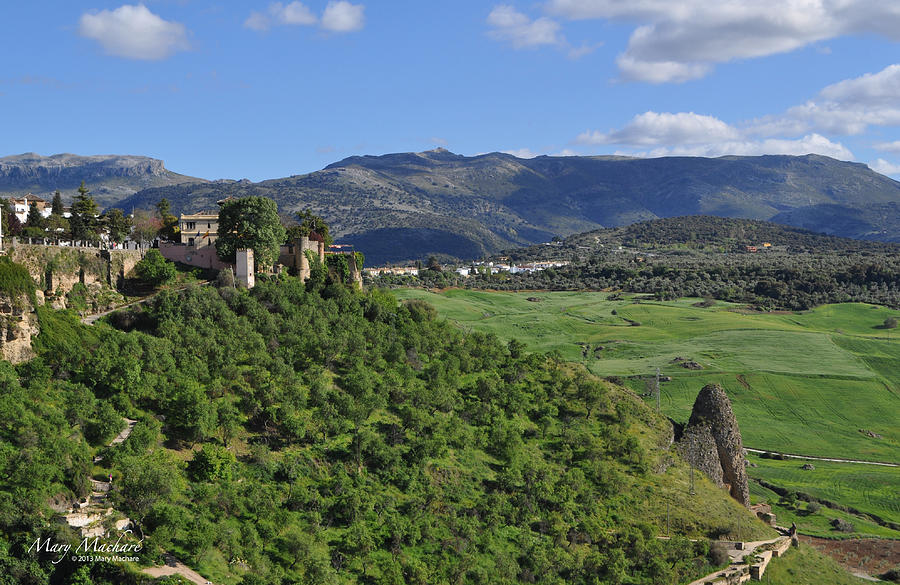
x=847 y=108
x=339 y=16
x=520 y=31
x=134 y=32
x=810 y=144
x=295 y=13
x=652 y=128
x=342 y=16
x=884 y=167
x=521 y=153
x=893 y=147
x=257 y=21
x=689 y=134
x=683 y=40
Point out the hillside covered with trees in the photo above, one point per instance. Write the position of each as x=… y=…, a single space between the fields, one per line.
x=747 y=261
x=312 y=433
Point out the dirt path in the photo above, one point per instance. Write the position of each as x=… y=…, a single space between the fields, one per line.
x=812 y=458
x=172 y=567
x=91 y=319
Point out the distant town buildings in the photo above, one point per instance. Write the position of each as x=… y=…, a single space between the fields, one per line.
x=473 y=269
x=21 y=206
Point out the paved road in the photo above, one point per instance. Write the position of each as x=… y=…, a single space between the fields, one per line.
x=812 y=458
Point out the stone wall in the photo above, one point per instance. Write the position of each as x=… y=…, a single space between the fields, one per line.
x=56 y=269
x=203 y=257
x=293 y=256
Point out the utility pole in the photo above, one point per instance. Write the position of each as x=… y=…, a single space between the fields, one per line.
x=657 y=389
x=667 y=518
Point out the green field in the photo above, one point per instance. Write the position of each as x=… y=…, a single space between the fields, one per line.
x=870 y=489
x=805 y=383
x=807 y=566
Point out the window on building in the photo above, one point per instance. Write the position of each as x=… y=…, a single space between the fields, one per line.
x=190 y=241
x=191 y=225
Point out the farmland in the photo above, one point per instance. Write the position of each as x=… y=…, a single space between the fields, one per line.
x=824 y=382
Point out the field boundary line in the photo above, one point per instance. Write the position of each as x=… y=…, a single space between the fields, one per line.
x=832 y=459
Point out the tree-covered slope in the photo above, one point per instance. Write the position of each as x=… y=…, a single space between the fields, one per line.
x=411 y=205
x=314 y=434
x=739 y=260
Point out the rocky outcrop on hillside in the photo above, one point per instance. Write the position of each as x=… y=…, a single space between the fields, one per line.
x=711 y=441
x=18 y=324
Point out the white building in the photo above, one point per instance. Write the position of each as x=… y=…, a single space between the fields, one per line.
x=21 y=206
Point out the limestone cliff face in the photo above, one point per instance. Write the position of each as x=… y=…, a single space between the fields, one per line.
x=18 y=324
x=712 y=442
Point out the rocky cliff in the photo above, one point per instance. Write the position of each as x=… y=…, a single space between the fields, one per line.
x=711 y=441
x=18 y=324
x=108 y=177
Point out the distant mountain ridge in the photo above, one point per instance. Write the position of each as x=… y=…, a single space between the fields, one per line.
x=110 y=178
x=404 y=206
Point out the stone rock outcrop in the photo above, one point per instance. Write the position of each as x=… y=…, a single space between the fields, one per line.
x=711 y=441
x=18 y=324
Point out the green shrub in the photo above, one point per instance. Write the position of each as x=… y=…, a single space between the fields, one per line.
x=211 y=463
x=14 y=278
x=155 y=269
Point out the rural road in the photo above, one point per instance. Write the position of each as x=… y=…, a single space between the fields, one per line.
x=811 y=458
x=91 y=319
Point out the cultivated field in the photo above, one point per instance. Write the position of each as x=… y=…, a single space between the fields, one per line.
x=824 y=382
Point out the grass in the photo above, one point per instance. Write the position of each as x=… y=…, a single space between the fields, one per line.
x=819 y=523
x=868 y=488
x=806 y=383
x=806 y=566
x=800 y=383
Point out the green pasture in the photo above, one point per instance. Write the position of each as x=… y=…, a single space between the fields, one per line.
x=807 y=566
x=807 y=383
x=871 y=489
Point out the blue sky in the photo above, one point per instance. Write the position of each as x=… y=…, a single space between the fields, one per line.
x=262 y=90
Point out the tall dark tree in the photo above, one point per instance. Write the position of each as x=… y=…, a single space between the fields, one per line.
x=169 y=230
x=84 y=221
x=310 y=222
x=250 y=222
x=35 y=219
x=117 y=224
x=56 y=208
x=11 y=224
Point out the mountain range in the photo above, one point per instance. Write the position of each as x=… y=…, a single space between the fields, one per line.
x=404 y=206
x=110 y=178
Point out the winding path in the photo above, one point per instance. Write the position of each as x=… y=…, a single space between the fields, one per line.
x=813 y=458
x=172 y=567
